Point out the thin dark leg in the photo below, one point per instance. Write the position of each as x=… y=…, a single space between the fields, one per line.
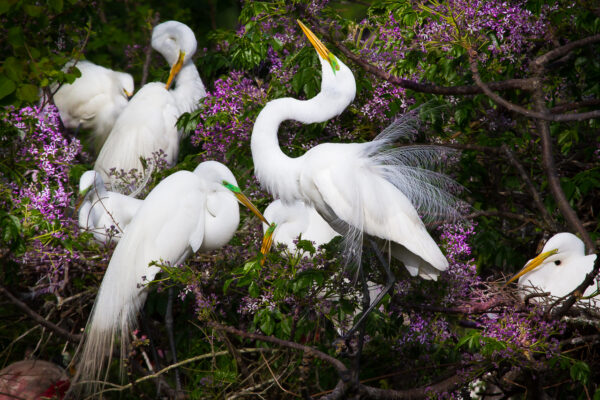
x=391 y=279
x=169 y=326
x=153 y=352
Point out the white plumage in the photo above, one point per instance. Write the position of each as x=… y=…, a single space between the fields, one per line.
x=104 y=213
x=559 y=268
x=184 y=213
x=295 y=219
x=147 y=124
x=357 y=188
x=94 y=100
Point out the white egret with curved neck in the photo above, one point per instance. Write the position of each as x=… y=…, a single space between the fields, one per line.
x=560 y=267
x=147 y=124
x=185 y=213
x=104 y=213
x=94 y=100
x=358 y=188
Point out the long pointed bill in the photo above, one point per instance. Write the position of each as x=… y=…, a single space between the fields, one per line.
x=533 y=264
x=175 y=69
x=82 y=195
x=320 y=47
x=128 y=94
x=245 y=201
x=267 y=242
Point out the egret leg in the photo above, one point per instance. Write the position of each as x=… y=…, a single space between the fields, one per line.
x=391 y=279
x=169 y=326
x=153 y=352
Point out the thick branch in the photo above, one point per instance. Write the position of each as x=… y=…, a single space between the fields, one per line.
x=487 y=89
x=425 y=392
x=563 y=50
x=38 y=318
x=559 y=108
x=553 y=180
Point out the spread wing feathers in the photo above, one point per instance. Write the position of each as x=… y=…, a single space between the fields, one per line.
x=409 y=168
x=373 y=206
x=169 y=224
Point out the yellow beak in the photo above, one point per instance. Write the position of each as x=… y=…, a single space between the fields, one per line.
x=175 y=69
x=245 y=201
x=267 y=242
x=533 y=264
x=128 y=94
x=320 y=47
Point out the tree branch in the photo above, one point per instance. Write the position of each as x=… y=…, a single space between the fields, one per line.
x=563 y=50
x=553 y=180
x=342 y=370
x=578 y=292
x=75 y=338
x=521 y=110
x=148 y=51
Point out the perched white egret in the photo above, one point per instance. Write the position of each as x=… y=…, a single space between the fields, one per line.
x=357 y=187
x=559 y=268
x=147 y=124
x=186 y=212
x=94 y=100
x=295 y=219
x=104 y=213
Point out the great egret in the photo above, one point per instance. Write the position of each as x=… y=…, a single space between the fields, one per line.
x=147 y=124
x=559 y=268
x=295 y=219
x=358 y=188
x=94 y=100
x=186 y=212
x=104 y=213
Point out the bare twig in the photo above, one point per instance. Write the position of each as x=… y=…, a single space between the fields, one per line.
x=38 y=318
x=537 y=199
x=148 y=51
x=337 y=364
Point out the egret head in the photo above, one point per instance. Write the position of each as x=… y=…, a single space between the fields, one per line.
x=125 y=83
x=176 y=42
x=556 y=252
x=87 y=181
x=337 y=79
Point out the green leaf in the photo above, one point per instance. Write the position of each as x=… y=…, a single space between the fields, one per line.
x=16 y=38
x=267 y=323
x=33 y=11
x=56 y=5
x=28 y=93
x=13 y=68
x=7 y=86
x=580 y=371
x=253 y=289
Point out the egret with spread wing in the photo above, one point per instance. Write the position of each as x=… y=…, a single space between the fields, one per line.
x=94 y=100
x=104 y=213
x=559 y=268
x=186 y=212
x=358 y=188
x=147 y=125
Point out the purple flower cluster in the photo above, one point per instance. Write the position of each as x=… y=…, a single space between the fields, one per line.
x=376 y=107
x=506 y=27
x=461 y=275
x=48 y=154
x=225 y=124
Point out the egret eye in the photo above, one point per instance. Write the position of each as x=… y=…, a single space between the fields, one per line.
x=557 y=262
